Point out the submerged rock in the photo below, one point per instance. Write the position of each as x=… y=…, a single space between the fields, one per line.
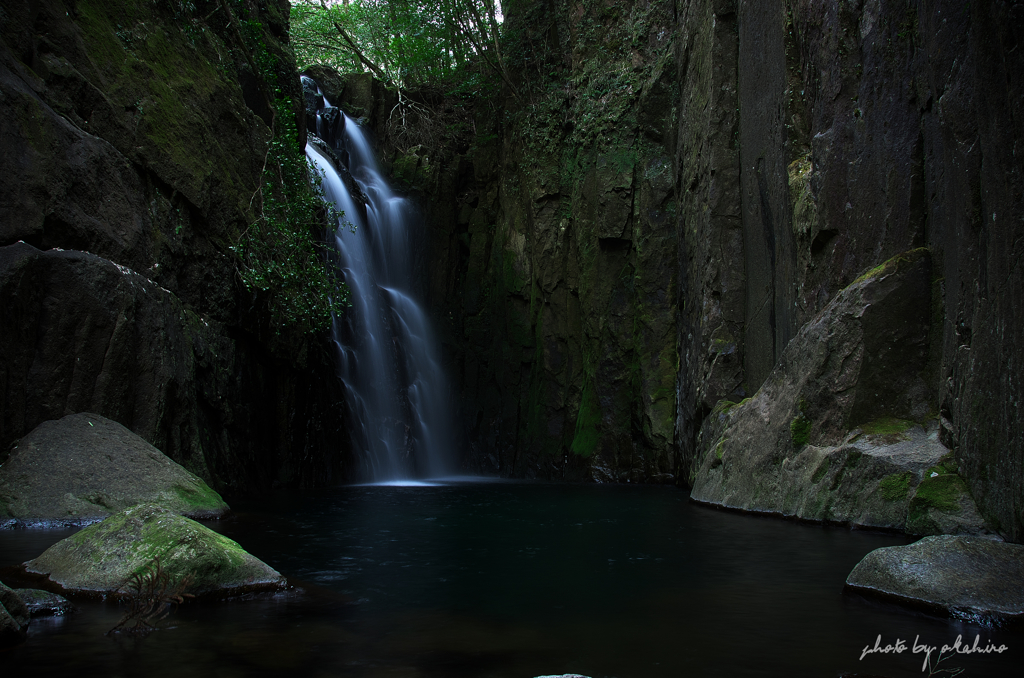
x=14 y=617
x=102 y=558
x=832 y=435
x=43 y=603
x=969 y=577
x=84 y=467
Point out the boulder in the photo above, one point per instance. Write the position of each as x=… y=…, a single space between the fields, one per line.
x=842 y=430
x=14 y=617
x=969 y=577
x=84 y=467
x=80 y=333
x=102 y=558
x=43 y=603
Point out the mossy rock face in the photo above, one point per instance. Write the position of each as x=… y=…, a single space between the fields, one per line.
x=84 y=467
x=101 y=558
x=942 y=504
x=960 y=574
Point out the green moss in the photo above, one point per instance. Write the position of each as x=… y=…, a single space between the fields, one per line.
x=720 y=447
x=942 y=492
x=723 y=406
x=886 y=426
x=200 y=496
x=892 y=265
x=946 y=466
x=800 y=430
x=585 y=441
x=896 y=486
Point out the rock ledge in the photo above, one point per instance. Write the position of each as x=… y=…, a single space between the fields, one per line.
x=969 y=577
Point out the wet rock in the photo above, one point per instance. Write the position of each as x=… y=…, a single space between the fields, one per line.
x=337 y=160
x=43 y=603
x=84 y=467
x=101 y=558
x=313 y=101
x=14 y=617
x=831 y=436
x=970 y=577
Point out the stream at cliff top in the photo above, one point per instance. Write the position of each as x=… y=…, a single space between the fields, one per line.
x=515 y=580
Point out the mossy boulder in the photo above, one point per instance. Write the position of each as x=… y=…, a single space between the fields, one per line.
x=966 y=576
x=102 y=558
x=84 y=467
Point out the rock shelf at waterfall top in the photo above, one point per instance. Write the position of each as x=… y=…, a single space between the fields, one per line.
x=969 y=577
x=82 y=468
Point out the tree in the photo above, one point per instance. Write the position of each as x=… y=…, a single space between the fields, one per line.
x=405 y=43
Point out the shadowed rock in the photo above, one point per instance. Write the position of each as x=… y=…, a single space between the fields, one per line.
x=101 y=558
x=43 y=603
x=84 y=467
x=14 y=617
x=967 y=576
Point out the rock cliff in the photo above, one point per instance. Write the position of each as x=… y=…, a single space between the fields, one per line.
x=621 y=245
x=675 y=189
x=133 y=138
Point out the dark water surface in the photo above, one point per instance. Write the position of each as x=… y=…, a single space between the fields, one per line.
x=516 y=580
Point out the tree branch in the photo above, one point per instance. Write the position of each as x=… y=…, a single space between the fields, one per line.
x=352 y=45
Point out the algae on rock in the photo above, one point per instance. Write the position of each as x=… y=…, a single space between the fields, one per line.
x=101 y=558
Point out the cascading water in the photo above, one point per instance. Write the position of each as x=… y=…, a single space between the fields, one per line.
x=388 y=358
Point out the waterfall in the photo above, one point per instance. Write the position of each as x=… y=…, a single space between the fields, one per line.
x=388 y=357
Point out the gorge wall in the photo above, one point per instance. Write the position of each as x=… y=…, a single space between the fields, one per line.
x=133 y=137
x=621 y=243
x=674 y=189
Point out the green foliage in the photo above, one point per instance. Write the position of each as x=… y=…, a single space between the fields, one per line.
x=282 y=251
x=894 y=487
x=405 y=43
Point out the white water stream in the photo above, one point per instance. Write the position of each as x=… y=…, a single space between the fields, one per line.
x=388 y=356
